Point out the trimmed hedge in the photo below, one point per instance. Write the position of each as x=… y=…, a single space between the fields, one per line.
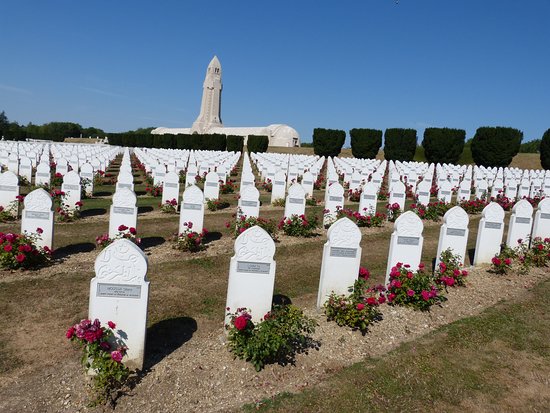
x=235 y=143
x=495 y=146
x=545 y=150
x=257 y=143
x=328 y=142
x=365 y=143
x=399 y=144
x=443 y=145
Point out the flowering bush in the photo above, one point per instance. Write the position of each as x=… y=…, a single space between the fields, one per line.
x=267 y=185
x=169 y=206
x=20 y=250
x=98 y=177
x=190 y=240
x=320 y=182
x=506 y=203
x=282 y=333
x=102 y=355
x=242 y=223
x=56 y=180
x=312 y=201
x=216 y=204
x=427 y=212
x=123 y=232
x=534 y=201
x=234 y=171
x=367 y=220
x=154 y=190
x=448 y=272
x=360 y=308
x=299 y=225
x=354 y=196
x=383 y=194
x=67 y=214
x=539 y=253
x=227 y=188
x=394 y=210
x=414 y=289
x=9 y=213
x=474 y=206
x=501 y=265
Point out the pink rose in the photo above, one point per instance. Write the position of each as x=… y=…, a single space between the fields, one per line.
x=116 y=356
x=70 y=332
x=360 y=306
x=241 y=322
x=410 y=293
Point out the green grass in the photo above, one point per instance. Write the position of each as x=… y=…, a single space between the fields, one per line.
x=487 y=360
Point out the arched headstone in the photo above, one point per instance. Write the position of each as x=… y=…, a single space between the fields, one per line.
x=489 y=233
x=37 y=213
x=123 y=211
x=119 y=292
x=369 y=199
x=406 y=242
x=87 y=173
x=171 y=187
x=43 y=174
x=307 y=183
x=341 y=259
x=252 y=273
x=278 y=190
x=9 y=190
x=249 y=202
x=192 y=209
x=295 y=201
x=397 y=194
x=125 y=180
x=211 y=186
x=334 y=202
x=520 y=224
x=71 y=187
x=423 y=192
x=453 y=233
x=541 y=225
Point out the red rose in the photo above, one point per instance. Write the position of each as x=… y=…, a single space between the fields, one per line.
x=8 y=248
x=133 y=231
x=111 y=324
x=20 y=258
x=122 y=227
x=360 y=306
x=39 y=230
x=371 y=301
x=116 y=356
x=70 y=332
x=241 y=322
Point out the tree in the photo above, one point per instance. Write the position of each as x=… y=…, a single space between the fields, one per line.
x=235 y=143
x=328 y=142
x=443 y=145
x=495 y=146
x=365 y=143
x=545 y=150
x=399 y=144
x=257 y=143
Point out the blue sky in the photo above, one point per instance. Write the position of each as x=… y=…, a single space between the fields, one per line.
x=120 y=65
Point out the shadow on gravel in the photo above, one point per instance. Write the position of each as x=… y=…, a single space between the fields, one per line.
x=64 y=252
x=144 y=209
x=93 y=212
x=149 y=242
x=166 y=336
x=212 y=236
x=103 y=193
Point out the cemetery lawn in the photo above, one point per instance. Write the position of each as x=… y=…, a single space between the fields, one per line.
x=496 y=361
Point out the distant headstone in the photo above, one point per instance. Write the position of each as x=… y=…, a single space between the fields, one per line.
x=71 y=187
x=192 y=209
x=278 y=190
x=369 y=199
x=397 y=194
x=171 y=187
x=464 y=191
x=295 y=201
x=307 y=183
x=252 y=273
x=341 y=259
x=249 y=202
x=119 y=292
x=9 y=190
x=334 y=202
x=211 y=186
x=406 y=242
x=453 y=233
x=43 y=174
x=87 y=175
x=37 y=213
x=423 y=192
x=520 y=224
x=541 y=224
x=445 y=193
x=25 y=168
x=489 y=233
x=123 y=211
x=125 y=180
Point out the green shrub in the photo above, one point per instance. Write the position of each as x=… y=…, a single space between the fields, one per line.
x=495 y=146
x=399 y=144
x=235 y=143
x=365 y=143
x=443 y=145
x=257 y=143
x=545 y=150
x=213 y=142
x=530 y=147
x=328 y=142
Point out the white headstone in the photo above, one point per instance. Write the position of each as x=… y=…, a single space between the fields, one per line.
x=125 y=180
x=25 y=168
x=71 y=187
x=520 y=224
x=211 y=186
x=87 y=173
x=489 y=233
x=119 y=292
x=397 y=194
x=445 y=193
x=171 y=187
x=453 y=233
x=295 y=201
x=341 y=259
x=423 y=192
x=278 y=190
x=307 y=183
x=334 y=202
x=252 y=273
x=464 y=191
x=249 y=202
x=43 y=174
x=541 y=225
x=406 y=242
x=37 y=213
x=369 y=199
x=9 y=190
x=123 y=211
x=192 y=209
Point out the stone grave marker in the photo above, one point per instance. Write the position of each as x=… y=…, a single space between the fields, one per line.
x=489 y=234
x=192 y=209
x=247 y=179
x=171 y=187
x=279 y=186
x=511 y=191
x=453 y=233
x=191 y=174
x=464 y=191
x=119 y=292
x=13 y=163
x=71 y=187
x=445 y=193
x=37 y=213
x=123 y=211
x=252 y=274
x=406 y=242
x=423 y=192
x=334 y=202
x=25 y=168
x=369 y=199
x=397 y=194
x=341 y=260
x=43 y=174
x=211 y=186
x=249 y=202
x=87 y=174
x=481 y=189
x=520 y=224
x=295 y=201
x=9 y=190
x=61 y=166
x=125 y=180
x=541 y=224
x=307 y=183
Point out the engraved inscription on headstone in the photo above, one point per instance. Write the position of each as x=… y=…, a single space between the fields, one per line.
x=295 y=200
x=335 y=198
x=249 y=203
x=280 y=183
x=211 y=184
x=196 y=207
x=123 y=210
x=7 y=188
x=493 y=225
x=118 y=290
x=424 y=193
x=37 y=215
x=170 y=185
x=343 y=252
x=408 y=240
x=371 y=197
x=307 y=182
x=253 y=267
x=72 y=187
x=456 y=232
x=544 y=216
x=399 y=195
x=523 y=220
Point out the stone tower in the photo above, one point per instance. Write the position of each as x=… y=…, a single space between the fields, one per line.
x=210 y=115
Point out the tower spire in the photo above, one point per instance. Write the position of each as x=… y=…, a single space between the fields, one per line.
x=210 y=114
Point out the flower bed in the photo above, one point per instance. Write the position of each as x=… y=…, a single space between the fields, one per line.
x=299 y=225
x=241 y=224
x=190 y=240
x=20 y=251
x=123 y=233
x=169 y=206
